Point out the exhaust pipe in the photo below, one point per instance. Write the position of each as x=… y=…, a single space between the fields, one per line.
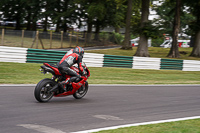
x=54 y=88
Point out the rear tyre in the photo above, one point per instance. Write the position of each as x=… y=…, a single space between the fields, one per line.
x=42 y=93
x=80 y=93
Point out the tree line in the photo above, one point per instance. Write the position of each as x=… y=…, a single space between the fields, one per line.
x=176 y=16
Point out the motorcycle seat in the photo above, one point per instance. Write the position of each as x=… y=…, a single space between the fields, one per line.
x=53 y=65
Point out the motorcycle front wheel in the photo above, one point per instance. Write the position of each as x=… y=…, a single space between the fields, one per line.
x=42 y=93
x=80 y=93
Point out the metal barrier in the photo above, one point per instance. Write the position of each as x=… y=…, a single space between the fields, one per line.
x=25 y=55
x=171 y=64
x=191 y=65
x=146 y=63
x=13 y=54
x=40 y=56
x=93 y=60
x=117 y=61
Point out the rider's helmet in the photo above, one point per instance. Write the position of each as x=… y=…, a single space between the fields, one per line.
x=79 y=50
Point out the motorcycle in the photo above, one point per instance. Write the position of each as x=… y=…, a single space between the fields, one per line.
x=48 y=88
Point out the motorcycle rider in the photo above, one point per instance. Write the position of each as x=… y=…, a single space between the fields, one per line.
x=70 y=58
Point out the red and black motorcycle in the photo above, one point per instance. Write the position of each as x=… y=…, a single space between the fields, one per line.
x=47 y=88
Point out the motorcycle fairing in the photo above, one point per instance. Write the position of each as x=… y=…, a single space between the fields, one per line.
x=54 y=69
x=75 y=86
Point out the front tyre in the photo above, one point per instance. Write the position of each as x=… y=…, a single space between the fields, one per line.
x=42 y=93
x=80 y=93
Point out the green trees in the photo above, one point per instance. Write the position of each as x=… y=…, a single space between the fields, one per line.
x=176 y=16
x=126 y=44
x=194 y=9
x=129 y=14
x=97 y=11
x=174 y=53
x=142 y=49
x=13 y=11
x=32 y=13
x=99 y=14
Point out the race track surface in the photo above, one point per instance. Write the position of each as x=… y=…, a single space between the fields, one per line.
x=103 y=106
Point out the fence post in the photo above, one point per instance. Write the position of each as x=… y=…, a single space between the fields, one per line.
x=70 y=40
x=77 y=38
x=50 y=39
x=61 y=39
x=2 y=39
x=22 y=38
x=37 y=37
x=85 y=38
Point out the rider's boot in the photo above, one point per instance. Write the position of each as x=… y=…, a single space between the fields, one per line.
x=64 y=83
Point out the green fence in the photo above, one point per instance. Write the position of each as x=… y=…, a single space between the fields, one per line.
x=52 y=56
x=171 y=64
x=117 y=61
x=23 y=55
x=40 y=56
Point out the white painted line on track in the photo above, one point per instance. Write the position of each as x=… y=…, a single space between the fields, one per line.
x=108 y=117
x=138 y=124
x=40 y=128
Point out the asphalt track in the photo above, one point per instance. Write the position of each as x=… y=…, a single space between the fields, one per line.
x=103 y=106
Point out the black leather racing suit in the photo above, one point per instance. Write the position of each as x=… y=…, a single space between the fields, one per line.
x=66 y=62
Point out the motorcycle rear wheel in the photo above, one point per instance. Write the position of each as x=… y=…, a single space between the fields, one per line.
x=81 y=92
x=42 y=93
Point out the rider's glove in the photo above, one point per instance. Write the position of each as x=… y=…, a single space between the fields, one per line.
x=83 y=73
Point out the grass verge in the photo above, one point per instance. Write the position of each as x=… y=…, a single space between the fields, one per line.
x=188 y=126
x=28 y=73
